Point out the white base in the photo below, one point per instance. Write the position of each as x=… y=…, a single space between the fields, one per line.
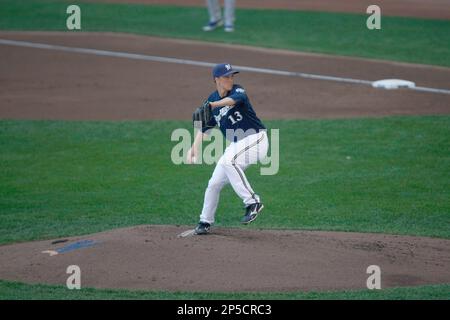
x=393 y=84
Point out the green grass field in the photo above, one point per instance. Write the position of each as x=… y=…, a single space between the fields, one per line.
x=70 y=178
x=62 y=178
x=403 y=39
x=384 y=175
x=19 y=291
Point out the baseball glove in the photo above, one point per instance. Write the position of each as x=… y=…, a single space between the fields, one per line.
x=203 y=114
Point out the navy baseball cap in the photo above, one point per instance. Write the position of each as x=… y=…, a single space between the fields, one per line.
x=223 y=70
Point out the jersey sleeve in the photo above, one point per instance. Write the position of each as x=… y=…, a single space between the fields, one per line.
x=238 y=94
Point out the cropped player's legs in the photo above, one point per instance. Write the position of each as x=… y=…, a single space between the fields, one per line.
x=229 y=12
x=237 y=157
x=218 y=180
x=214 y=11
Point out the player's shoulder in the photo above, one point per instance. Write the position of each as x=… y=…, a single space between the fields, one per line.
x=238 y=89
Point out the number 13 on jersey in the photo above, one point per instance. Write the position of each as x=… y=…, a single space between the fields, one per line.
x=237 y=117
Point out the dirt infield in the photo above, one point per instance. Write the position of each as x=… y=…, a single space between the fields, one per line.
x=48 y=84
x=436 y=9
x=154 y=258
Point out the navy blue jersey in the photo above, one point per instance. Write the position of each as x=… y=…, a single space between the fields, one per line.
x=240 y=116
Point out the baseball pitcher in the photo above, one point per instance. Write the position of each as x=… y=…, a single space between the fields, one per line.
x=229 y=109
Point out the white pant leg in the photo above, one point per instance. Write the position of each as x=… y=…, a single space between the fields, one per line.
x=229 y=12
x=237 y=157
x=218 y=180
x=214 y=11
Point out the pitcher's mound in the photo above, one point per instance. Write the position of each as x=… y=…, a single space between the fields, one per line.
x=229 y=259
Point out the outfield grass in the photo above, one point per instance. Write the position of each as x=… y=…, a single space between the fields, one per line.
x=19 y=291
x=402 y=39
x=70 y=178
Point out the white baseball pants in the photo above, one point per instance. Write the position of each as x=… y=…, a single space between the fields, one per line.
x=230 y=169
x=215 y=13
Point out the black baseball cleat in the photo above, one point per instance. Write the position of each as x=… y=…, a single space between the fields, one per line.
x=202 y=228
x=252 y=212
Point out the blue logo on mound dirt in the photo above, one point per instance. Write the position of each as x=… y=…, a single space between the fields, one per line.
x=71 y=247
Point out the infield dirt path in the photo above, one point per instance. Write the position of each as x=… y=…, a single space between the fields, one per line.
x=48 y=84
x=154 y=258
